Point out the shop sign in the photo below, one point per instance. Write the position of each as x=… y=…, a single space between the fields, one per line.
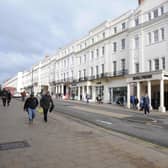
x=142 y=77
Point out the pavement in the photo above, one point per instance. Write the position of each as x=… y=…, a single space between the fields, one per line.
x=65 y=142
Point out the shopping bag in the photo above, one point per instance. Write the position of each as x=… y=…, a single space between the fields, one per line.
x=40 y=110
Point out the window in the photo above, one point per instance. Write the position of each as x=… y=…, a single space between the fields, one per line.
x=97 y=52
x=92 y=40
x=97 y=70
x=114 y=67
x=123 y=64
x=136 y=21
x=79 y=74
x=137 y=67
x=150 y=65
x=155 y=13
x=91 y=71
x=156 y=36
x=80 y=60
x=115 y=29
x=162 y=10
x=85 y=58
x=149 y=38
x=84 y=73
x=123 y=44
x=114 y=46
x=102 y=68
x=149 y=16
x=92 y=55
x=162 y=33
x=104 y=34
x=156 y=64
x=123 y=26
x=103 y=50
x=136 y=42
x=163 y=62
x=85 y=44
x=72 y=73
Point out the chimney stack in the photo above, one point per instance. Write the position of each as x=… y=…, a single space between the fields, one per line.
x=140 y=1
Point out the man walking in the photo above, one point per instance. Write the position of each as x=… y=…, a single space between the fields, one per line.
x=30 y=106
x=4 y=96
x=9 y=96
x=47 y=104
x=146 y=104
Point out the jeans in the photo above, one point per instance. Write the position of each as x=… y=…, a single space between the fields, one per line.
x=31 y=113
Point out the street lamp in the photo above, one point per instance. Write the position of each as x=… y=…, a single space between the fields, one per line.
x=32 y=82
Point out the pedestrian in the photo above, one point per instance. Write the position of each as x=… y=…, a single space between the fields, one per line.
x=4 y=95
x=9 y=97
x=23 y=94
x=87 y=98
x=141 y=103
x=146 y=102
x=136 y=101
x=30 y=106
x=47 y=104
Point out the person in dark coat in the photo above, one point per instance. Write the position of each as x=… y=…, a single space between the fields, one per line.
x=146 y=102
x=9 y=97
x=4 y=95
x=30 y=106
x=47 y=104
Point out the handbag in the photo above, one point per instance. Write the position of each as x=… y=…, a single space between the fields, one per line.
x=40 y=110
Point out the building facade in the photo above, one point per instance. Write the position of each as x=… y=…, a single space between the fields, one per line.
x=117 y=59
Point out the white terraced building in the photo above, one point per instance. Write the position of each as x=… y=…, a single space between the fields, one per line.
x=117 y=59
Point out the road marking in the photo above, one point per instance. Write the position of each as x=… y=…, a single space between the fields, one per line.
x=108 y=113
x=104 y=122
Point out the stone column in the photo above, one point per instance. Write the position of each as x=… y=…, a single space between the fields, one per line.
x=94 y=93
x=128 y=95
x=149 y=94
x=162 y=107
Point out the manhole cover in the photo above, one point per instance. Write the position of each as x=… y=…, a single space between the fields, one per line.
x=14 y=145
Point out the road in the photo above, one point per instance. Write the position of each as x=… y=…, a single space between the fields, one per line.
x=151 y=128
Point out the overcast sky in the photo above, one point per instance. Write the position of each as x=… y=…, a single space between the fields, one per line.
x=31 y=29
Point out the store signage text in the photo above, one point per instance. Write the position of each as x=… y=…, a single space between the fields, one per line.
x=142 y=77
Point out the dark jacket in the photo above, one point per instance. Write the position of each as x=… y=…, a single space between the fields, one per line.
x=31 y=102
x=4 y=94
x=46 y=102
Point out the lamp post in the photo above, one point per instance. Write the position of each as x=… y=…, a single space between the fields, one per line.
x=32 y=82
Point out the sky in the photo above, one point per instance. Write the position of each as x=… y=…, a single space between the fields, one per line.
x=32 y=29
